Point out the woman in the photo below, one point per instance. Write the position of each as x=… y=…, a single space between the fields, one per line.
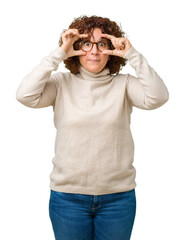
x=93 y=179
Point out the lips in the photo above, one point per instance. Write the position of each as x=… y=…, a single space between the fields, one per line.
x=93 y=60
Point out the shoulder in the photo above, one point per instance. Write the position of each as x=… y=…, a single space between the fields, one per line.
x=121 y=77
x=59 y=77
x=121 y=81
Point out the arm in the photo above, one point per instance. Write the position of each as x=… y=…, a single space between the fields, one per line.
x=38 y=89
x=148 y=91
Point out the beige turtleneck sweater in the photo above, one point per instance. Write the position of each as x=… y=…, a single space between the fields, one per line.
x=94 y=149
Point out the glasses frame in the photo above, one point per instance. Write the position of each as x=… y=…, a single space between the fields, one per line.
x=80 y=43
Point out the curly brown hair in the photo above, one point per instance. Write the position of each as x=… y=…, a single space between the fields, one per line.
x=86 y=24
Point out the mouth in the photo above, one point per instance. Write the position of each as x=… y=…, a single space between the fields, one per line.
x=93 y=60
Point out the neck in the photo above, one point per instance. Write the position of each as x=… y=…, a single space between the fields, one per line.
x=100 y=76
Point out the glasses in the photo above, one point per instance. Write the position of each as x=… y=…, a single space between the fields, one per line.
x=87 y=45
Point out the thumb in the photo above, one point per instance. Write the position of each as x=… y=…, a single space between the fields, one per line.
x=80 y=53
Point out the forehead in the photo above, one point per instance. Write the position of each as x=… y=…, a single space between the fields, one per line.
x=95 y=34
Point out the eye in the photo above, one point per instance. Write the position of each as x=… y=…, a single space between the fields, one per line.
x=87 y=43
x=102 y=44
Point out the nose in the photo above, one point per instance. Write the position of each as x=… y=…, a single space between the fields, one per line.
x=94 y=49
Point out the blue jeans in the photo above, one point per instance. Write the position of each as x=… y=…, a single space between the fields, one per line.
x=92 y=217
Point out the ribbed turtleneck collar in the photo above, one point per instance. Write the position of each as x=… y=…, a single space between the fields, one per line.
x=101 y=76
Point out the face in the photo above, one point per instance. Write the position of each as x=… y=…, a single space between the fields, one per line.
x=94 y=61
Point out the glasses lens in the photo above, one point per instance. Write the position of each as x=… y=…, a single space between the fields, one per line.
x=103 y=45
x=86 y=45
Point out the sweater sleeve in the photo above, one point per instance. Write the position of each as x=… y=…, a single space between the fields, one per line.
x=148 y=90
x=38 y=88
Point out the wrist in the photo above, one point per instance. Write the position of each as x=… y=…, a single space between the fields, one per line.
x=64 y=49
x=63 y=53
x=129 y=52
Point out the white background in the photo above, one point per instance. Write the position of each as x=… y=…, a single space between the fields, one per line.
x=30 y=30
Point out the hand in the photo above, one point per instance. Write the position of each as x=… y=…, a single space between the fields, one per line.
x=121 y=44
x=69 y=37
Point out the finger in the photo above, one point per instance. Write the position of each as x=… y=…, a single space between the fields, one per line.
x=80 y=53
x=83 y=35
x=71 y=32
x=75 y=34
x=120 y=44
x=113 y=52
x=113 y=39
x=116 y=43
x=123 y=40
x=108 y=36
x=108 y=52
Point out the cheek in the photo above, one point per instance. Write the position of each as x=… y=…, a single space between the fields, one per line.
x=106 y=58
x=82 y=59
